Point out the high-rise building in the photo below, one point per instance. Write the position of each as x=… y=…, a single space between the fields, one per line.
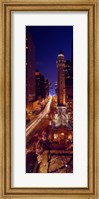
x=47 y=84
x=56 y=88
x=61 y=83
x=68 y=69
x=40 y=85
x=69 y=86
x=69 y=80
x=30 y=70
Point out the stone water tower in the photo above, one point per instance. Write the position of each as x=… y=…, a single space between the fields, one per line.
x=61 y=83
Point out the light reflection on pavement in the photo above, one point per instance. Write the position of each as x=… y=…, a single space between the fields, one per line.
x=46 y=110
x=57 y=153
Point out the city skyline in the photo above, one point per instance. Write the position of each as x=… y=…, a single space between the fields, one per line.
x=49 y=99
x=48 y=42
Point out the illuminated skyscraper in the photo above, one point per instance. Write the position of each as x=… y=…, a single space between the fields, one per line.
x=61 y=83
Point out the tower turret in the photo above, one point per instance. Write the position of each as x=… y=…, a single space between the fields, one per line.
x=61 y=84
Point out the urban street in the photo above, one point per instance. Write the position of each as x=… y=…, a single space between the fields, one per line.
x=49 y=99
x=50 y=142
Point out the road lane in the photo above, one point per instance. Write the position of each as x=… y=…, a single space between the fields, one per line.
x=46 y=110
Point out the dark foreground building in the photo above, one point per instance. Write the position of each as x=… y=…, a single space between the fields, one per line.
x=30 y=70
x=42 y=86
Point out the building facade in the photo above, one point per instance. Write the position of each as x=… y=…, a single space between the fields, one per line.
x=30 y=70
x=47 y=85
x=61 y=83
x=56 y=88
x=40 y=85
x=69 y=87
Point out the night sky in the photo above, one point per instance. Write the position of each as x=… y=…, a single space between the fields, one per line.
x=48 y=42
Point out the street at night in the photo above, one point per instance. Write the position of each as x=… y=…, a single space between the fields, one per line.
x=52 y=146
